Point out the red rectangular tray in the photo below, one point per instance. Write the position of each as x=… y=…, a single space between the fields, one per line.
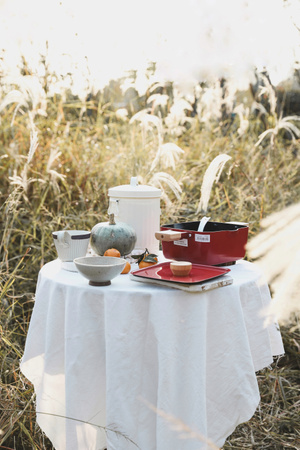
x=198 y=274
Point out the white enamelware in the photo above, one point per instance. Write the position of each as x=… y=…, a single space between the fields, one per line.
x=69 y=266
x=138 y=206
x=100 y=270
x=71 y=244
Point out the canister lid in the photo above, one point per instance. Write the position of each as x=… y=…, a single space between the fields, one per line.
x=134 y=190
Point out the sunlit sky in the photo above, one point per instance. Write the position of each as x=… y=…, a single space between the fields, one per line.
x=190 y=40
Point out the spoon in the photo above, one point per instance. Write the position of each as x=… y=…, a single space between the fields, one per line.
x=202 y=223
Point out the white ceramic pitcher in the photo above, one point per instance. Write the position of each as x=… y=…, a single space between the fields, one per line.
x=71 y=244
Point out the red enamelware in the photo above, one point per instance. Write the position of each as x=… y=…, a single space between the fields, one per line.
x=219 y=243
x=198 y=274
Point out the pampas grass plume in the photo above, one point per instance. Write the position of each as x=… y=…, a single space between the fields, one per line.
x=212 y=174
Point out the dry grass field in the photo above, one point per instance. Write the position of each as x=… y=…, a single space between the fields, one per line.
x=59 y=154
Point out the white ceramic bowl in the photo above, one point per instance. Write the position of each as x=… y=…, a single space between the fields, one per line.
x=100 y=270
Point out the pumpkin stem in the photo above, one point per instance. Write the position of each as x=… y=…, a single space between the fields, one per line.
x=112 y=219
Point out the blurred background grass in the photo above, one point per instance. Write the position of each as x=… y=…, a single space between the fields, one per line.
x=59 y=155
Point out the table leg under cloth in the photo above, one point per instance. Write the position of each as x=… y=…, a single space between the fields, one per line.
x=211 y=389
x=144 y=360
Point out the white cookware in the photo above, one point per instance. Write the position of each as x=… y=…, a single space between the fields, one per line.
x=138 y=206
x=71 y=244
x=100 y=270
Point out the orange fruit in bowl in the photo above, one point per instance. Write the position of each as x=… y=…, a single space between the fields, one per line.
x=126 y=268
x=112 y=252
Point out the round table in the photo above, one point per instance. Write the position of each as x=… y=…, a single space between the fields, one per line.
x=150 y=363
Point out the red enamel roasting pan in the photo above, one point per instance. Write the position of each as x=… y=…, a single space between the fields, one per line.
x=219 y=243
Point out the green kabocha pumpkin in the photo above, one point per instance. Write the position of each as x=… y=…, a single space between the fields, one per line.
x=113 y=234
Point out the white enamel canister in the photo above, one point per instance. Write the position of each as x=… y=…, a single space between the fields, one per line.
x=138 y=206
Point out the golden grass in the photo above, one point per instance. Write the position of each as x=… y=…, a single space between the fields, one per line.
x=63 y=182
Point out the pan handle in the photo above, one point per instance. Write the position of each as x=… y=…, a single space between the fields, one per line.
x=170 y=235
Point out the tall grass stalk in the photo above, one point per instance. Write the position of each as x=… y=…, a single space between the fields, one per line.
x=212 y=174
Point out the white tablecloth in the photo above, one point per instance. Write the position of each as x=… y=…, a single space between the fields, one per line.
x=140 y=358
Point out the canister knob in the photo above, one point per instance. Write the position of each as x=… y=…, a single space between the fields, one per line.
x=134 y=181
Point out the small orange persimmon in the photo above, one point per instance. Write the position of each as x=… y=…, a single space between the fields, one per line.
x=126 y=268
x=145 y=259
x=112 y=252
x=144 y=264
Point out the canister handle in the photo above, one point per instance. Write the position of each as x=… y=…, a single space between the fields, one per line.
x=170 y=235
x=113 y=207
